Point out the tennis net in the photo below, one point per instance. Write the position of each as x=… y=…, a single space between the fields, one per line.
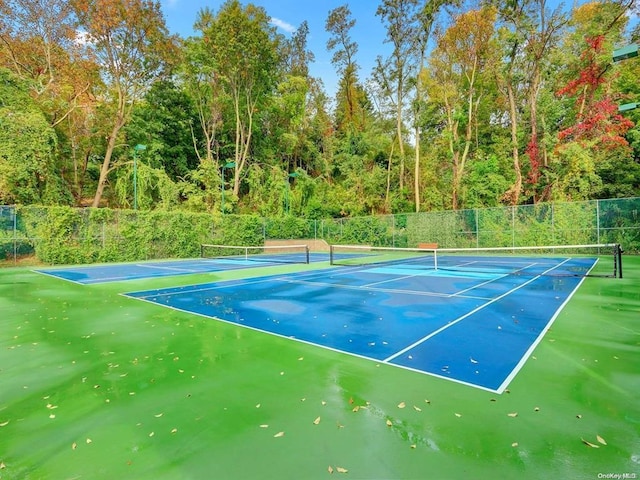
x=603 y=260
x=260 y=253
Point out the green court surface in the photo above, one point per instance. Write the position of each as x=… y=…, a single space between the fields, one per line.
x=96 y=385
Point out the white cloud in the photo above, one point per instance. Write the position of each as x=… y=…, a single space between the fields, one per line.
x=287 y=27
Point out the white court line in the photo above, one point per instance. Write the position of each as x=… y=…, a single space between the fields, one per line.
x=533 y=346
x=363 y=287
x=157 y=267
x=58 y=277
x=308 y=342
x=459 y=319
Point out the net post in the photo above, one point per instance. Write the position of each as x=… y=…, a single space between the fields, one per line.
x=306 y=251
x=435 y=259
x=330 y=254
x=618 y=259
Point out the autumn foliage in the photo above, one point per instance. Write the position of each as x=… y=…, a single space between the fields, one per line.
x=597 y=119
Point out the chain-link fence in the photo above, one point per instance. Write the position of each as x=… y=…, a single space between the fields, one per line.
x=57 y=235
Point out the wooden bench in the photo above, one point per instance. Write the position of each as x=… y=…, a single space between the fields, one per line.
x=430 y=246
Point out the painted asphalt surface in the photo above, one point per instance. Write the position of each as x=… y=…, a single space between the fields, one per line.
x=92 y=274
x=476 y=329
x=99 y=385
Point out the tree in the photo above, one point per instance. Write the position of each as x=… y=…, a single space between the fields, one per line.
x=403 y=30
x=350 y=114
x=244 y=49
x=130 y=42
x=28 y=147
x=456 y=84
x=426 y=19
x=597 y=133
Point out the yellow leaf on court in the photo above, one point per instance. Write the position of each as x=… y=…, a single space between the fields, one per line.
x=356 y=408
x=4 y=424
x=589 y=444
x=152 y=434
x=279 y=434
x=258 y=406
x=316 y=421
x=341 y=470
x=458 y=415
x=89 y=441
x=174 y=430
x=417 y=409
x=413 y=446
x=401 y=405
x=158 y=415
x=514 y=444
x=513 y=415
x=74 y=445
x=330 y=469
x=264 y=425
x=601 y=440
x=389 y=423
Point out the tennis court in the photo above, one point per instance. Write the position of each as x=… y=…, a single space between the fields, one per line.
x=235 y=258
x=444 y=322
x=371 y=368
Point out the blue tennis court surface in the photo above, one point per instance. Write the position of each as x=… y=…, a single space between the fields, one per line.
x=89 y=274
x=471 y=327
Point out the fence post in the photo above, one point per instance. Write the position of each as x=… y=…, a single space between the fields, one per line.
x=598 y=221
x=477 y=229
x=14 y=211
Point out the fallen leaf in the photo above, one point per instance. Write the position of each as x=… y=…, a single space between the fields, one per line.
x=389 y=423
x=536 y=409
x=89 y=441
x=514 y=444
x=174 y=430
x=158 y=415
x=4 y=424
x=401 y=405
x=513 y=415
x=356 y=408
x=341 y=470
x=351 y=401
x=2 y=466
x=589 y=444
x=258 y=406
x=330 y=469
x=413 y=446
x=339 y=425
x=264 y=425
x=152 y=434
x=578 y=416
x=279 y=434
x=458 y=415
x=323 y=403
x=74 y=445
x=52 y=416
x=417 y=409
x=601 y=440
x=427 y=401
x=472 y=360
x=301 y=358
x=316 y=421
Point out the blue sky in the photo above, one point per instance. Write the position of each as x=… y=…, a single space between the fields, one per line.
x=369 y=32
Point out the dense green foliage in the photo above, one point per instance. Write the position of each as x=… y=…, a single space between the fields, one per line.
x=70 y=235
x=475 y=107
